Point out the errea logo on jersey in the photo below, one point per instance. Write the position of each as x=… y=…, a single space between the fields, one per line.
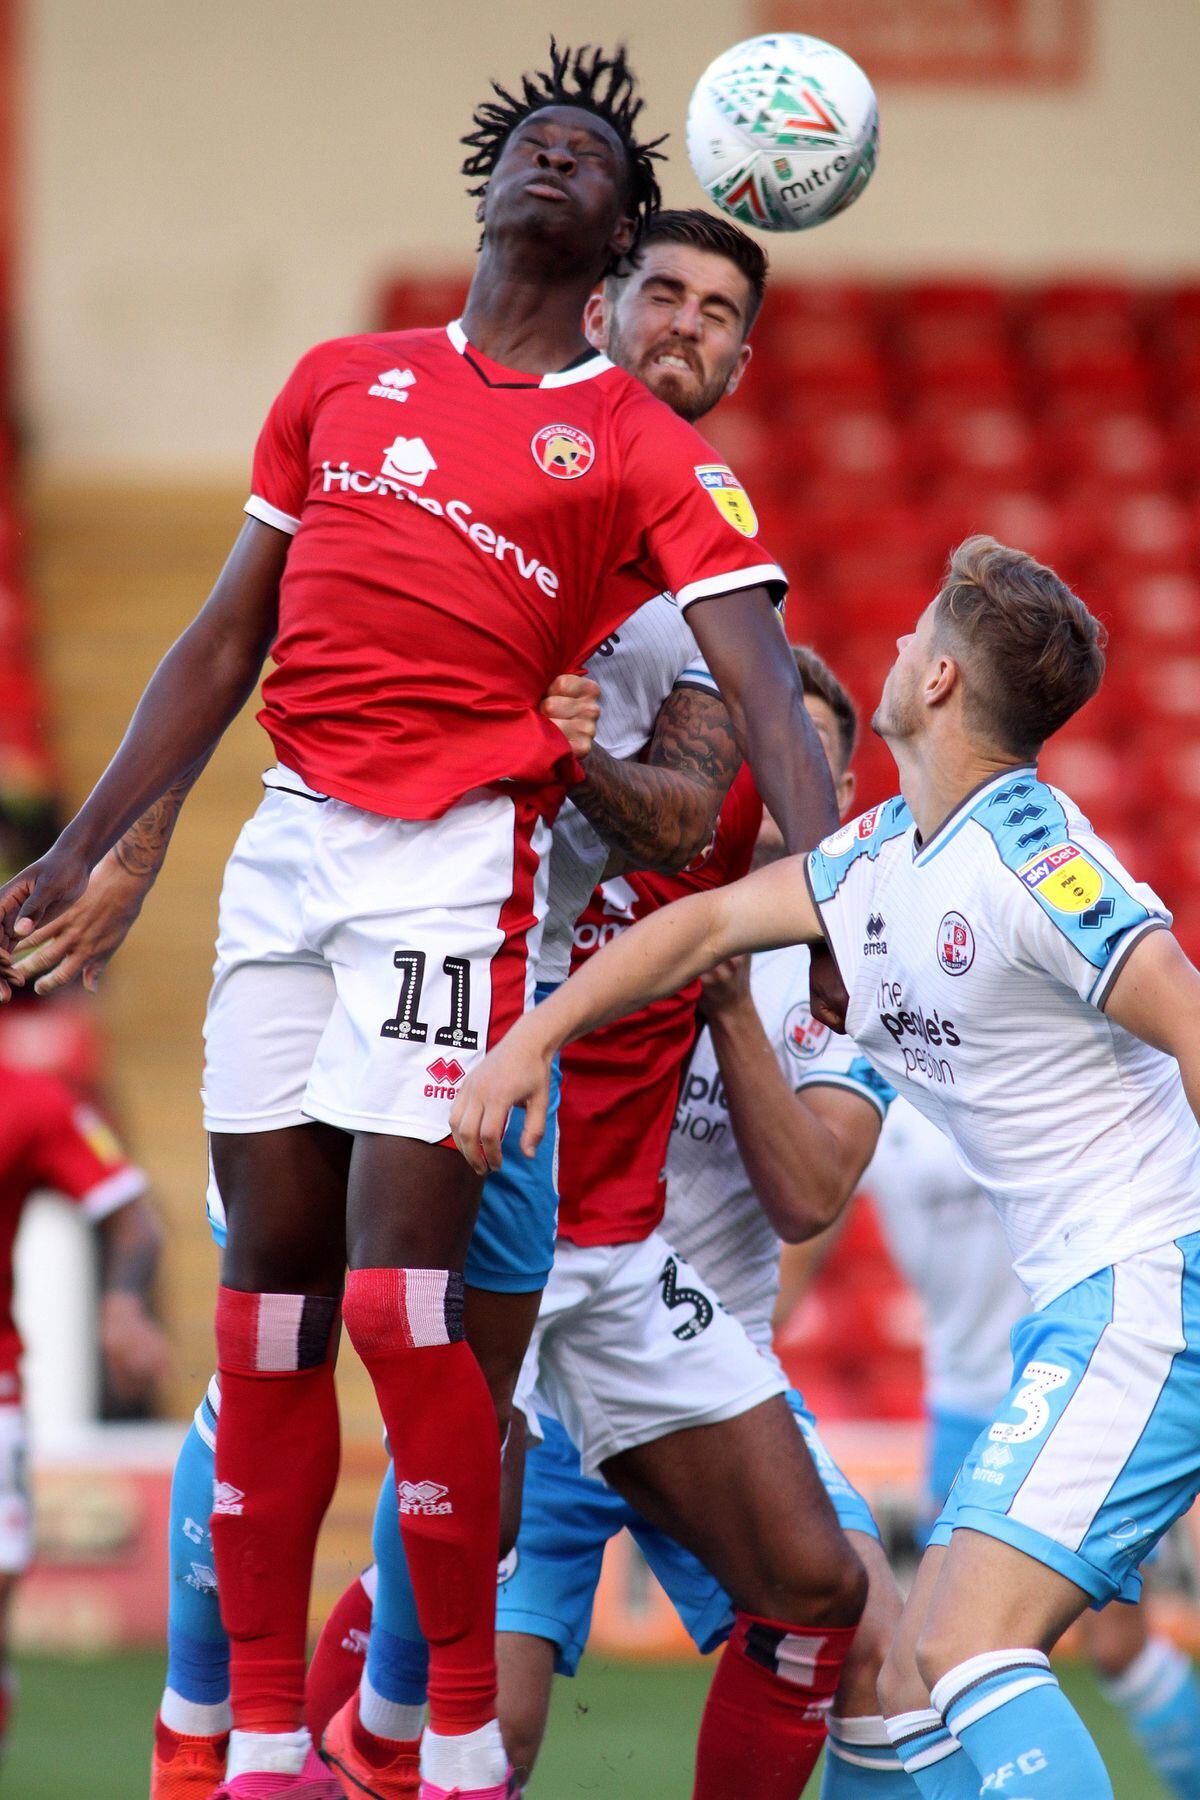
x=393 y=384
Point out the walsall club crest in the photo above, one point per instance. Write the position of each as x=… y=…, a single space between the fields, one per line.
x=728 y=496
x=563 y=451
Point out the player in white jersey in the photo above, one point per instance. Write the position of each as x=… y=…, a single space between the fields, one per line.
x=970 y=1302
x=1029 y=997
x=740 y=1149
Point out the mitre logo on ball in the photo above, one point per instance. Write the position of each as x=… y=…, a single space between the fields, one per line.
x=563 y=451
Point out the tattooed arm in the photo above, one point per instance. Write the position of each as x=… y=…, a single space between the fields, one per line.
x=660 y=813
x=81 y=941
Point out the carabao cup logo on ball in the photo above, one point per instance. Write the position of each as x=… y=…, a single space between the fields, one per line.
x=563 y=451
x=783 y=131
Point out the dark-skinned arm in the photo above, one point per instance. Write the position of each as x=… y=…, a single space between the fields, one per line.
x=80 y=942
x=661 y=812
x=741 y=641
x=133 y=1343
x=197 y=690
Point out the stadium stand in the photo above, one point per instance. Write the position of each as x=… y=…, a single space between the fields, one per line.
x=880 y=424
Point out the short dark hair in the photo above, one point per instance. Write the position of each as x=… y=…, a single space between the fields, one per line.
x=819 y=680
x=586 y=78
x=703 y=231
x=1032 y=652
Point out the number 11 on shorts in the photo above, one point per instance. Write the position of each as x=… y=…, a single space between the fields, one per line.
x=406 y=1023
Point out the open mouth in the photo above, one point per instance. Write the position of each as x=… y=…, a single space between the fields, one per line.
x=670 y=359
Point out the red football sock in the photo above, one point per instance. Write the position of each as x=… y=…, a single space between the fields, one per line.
x=406 y=1324
x=337 y=1662
x=277 y=1464
x=764 y=1721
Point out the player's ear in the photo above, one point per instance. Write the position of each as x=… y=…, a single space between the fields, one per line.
x=847 y=782
x=595 y=320
x=738 y=370
x=623 y=235
x=942 y=681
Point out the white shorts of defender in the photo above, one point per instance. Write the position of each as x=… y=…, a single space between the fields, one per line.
x=631 y=1344
x=16 y=1510
x=364 y=964
x=1096 y=1450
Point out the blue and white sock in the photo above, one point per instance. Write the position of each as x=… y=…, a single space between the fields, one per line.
x=1019 y=1729
x=195 y=1702
x=397 y=1670
x=933 y=1760
x=1160 y=1698
x=860 y=1763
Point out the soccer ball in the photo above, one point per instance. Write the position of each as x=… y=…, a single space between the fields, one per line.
x=783 y=132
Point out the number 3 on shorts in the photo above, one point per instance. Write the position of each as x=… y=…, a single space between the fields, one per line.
x=1039 y=1379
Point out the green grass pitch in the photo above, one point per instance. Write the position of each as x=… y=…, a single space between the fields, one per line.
x=620 y=1731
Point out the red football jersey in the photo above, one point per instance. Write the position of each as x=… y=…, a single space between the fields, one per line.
x=621 y=1083
x=463 y=534
x=50 y=1140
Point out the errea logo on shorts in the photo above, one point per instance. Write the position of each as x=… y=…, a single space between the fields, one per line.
x=406 y=464
x=424 y=1497
x=446 y=1077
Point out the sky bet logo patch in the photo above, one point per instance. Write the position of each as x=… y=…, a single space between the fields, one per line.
x=728 y=496
x=1065 y=878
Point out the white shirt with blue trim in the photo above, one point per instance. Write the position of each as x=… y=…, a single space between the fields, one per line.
x=635 y=669
x=978 y=964
x=713 y=1216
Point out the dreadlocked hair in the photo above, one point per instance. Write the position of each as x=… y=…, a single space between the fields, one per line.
x=595 y=83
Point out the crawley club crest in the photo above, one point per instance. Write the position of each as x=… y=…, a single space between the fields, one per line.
x=956 y=944
x=728 y=496
x=804 y=1036
x=563 y=451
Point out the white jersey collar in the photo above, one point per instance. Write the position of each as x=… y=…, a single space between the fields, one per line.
x=594 y=365
x=925 y=850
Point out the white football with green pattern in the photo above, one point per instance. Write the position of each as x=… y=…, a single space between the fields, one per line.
x=783 y=132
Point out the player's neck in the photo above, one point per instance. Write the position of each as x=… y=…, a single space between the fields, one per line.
x=936 y=777
x=523 y=318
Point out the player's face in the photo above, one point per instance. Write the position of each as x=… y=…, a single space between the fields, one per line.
x=898 y=715
x=561 y=180
x=770 y=846
x=678 y=323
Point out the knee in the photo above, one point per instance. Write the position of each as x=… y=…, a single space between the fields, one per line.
x=810 y=1589
x=899 y=1686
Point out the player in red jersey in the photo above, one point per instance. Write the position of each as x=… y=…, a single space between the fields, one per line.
x=52 y=1142
x=420 y=583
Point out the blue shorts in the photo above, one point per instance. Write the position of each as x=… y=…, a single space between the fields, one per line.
x=549 y=1584
x=1096 y=1450
x=512 y=1246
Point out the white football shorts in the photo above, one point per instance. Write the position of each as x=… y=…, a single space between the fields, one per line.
x=16 y=1510
x=364 y=963
x=631 y=1344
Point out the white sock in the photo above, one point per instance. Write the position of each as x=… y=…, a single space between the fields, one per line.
x=388 y=1718
x=267 y=1752
x=192 y=1719
x=1154 y=1677
x=476 y=1760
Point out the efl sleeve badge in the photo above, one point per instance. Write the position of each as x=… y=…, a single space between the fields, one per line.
x=729 y=497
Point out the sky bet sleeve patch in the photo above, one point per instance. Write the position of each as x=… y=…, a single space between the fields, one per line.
x=728 y=496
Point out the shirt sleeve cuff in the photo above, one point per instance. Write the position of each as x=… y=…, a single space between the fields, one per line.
x=266 y=514
x=114 y=1192
x=761 y=575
